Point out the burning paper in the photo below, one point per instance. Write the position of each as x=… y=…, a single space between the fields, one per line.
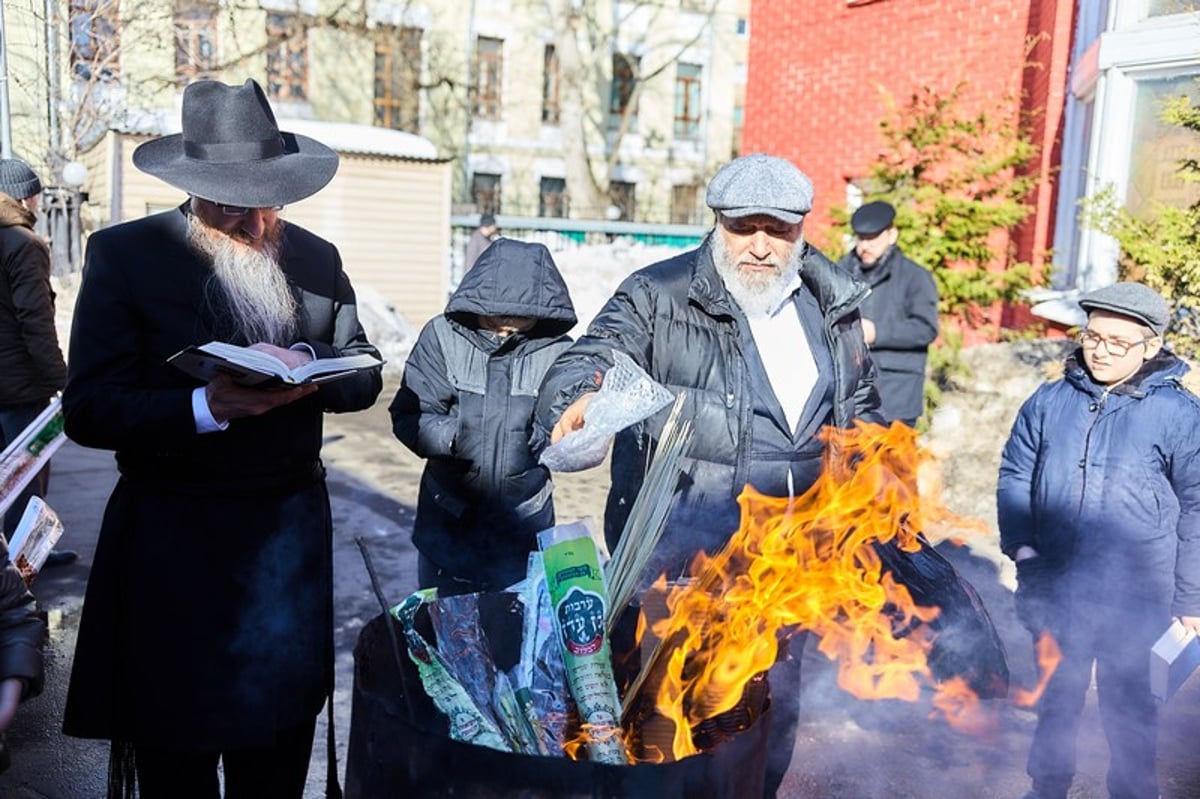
x=829 y=562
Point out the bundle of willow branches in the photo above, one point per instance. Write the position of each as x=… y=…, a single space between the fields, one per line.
x=648 y=516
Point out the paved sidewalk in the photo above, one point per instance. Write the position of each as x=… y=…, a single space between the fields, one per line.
x=49 y=764
x=845 y=749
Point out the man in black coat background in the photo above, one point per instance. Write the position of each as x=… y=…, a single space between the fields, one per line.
x=899 y=316
x=206 y=632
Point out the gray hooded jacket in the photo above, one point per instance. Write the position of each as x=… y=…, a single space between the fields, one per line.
x=466 y=404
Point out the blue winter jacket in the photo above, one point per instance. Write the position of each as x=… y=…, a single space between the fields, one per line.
x=1105 y=484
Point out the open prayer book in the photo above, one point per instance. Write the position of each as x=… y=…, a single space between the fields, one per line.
x=257 y=369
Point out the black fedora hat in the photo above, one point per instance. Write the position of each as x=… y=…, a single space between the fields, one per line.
x=231 y=150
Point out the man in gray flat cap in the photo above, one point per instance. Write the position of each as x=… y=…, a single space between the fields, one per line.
x=762 y=331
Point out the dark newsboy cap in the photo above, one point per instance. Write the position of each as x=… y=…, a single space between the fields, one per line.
x=761 y=184
x=872 y=219
x=1135 y=300
x=487 y=220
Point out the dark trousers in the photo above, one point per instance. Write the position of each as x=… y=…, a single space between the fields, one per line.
x=430 y=575
x=1119 y=643
x=784 y=679
x=13 y=420
x=275 y=772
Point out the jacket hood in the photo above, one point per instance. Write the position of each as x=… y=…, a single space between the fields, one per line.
x=515 y=278
x=13 y=214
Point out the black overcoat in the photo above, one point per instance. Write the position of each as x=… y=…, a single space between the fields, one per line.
x=903 y=305
x=207 y=618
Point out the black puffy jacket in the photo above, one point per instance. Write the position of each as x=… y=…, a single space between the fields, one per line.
x=678 y=322
x=466 y=404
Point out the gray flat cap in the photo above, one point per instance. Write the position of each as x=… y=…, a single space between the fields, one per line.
x=761 y=184
x=17 y=180
x=1134 y=300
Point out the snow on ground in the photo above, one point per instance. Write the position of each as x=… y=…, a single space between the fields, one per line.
x=593 y=273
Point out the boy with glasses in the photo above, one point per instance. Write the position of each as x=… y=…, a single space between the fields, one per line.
x=1099 y=506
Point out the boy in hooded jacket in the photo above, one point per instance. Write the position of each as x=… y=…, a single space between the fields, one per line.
x=466 y=404
x=1099 y=506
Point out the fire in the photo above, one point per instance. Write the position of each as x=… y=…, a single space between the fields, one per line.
x=809 y=563
x=1048 y=658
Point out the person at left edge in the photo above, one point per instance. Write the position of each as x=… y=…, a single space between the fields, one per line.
x=206 y=633
x=32 y=369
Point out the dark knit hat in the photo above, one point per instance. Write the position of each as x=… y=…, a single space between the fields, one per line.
x=761 y=184
x=1135 y=300
x=17 y=180
x=872 y=219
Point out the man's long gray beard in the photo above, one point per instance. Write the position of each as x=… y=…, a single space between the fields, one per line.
x=757 y=294
x=251 y=281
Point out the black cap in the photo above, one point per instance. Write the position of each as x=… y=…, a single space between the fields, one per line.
x=872 y=219
x=487 y=220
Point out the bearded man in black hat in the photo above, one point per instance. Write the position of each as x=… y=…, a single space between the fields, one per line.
x=207 y=631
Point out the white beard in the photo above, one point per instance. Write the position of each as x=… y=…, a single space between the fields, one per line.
x=756 y=293
x=251 y=281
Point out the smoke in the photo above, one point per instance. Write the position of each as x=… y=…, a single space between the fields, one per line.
x=283 y=620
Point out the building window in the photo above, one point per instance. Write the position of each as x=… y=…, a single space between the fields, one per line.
x=489 y=64
x=623 y=197
x=1159 y=148
x=621 y=103
x=398 y=79
x=684 y=202
x=95 y=39
x=1162 y=8
x=287 y=58
x=687 y=101
x=550 y=86
x=485 y=189
x=552 y=198
x=195 y=40
x=742 y=26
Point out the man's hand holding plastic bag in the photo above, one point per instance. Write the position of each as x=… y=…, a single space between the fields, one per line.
x=582 y=434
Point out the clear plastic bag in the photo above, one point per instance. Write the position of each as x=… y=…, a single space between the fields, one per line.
x=627 y=396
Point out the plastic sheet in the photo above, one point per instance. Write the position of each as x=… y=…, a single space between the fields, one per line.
x=627 y=396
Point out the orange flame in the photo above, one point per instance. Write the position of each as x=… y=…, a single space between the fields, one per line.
x=810 y=562
x=1048 y=658
x=962 y=710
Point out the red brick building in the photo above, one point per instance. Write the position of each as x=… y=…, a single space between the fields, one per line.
x=820 y=72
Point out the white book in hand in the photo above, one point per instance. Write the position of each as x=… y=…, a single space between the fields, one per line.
x=1174 y=656
x=249 y=367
